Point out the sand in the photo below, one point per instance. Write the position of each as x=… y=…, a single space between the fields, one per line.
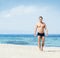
x=21 y=51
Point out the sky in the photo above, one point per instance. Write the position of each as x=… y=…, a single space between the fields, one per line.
x=20 y=16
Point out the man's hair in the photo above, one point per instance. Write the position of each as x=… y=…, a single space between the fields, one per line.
x=40 y=17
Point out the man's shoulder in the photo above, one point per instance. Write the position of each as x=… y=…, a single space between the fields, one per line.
x=43 y=22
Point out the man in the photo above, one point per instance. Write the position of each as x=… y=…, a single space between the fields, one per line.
x=40 y=26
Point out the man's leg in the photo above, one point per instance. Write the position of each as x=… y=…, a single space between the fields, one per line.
x=43 y=40
x=39 y=42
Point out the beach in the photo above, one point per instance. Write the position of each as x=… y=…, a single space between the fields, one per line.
x=26 y=51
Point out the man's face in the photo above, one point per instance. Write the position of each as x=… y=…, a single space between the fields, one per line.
x=41 y=19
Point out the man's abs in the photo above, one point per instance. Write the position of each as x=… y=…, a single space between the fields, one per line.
x=40 y=30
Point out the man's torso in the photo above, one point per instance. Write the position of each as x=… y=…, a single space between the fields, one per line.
x=40 y=27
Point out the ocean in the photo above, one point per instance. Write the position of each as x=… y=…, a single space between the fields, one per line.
x=28 y=39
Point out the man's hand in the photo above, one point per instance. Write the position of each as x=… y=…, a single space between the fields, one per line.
x=35 y=34
x=46 y=34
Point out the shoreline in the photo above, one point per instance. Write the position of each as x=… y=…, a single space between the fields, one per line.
x=28 y=45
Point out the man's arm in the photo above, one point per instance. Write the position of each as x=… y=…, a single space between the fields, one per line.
x=46 y=29
x=35 y=30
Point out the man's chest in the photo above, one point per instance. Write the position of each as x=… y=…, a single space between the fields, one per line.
x=41 y=25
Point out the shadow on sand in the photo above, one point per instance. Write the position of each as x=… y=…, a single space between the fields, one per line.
x=51 y=50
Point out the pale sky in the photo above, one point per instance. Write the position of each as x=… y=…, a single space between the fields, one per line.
x=20 y=16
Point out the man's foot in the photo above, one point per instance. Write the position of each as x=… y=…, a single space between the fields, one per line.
x=39 y=48
x=42 y=49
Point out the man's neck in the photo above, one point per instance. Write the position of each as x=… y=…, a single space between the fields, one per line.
x=41 y=22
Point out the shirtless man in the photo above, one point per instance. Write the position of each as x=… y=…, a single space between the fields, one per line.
x=40 y=26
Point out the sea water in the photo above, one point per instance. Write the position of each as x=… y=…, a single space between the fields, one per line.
x=29 y=39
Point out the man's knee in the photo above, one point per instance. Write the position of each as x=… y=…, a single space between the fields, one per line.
x=43 y=39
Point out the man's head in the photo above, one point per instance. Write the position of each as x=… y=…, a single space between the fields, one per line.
x=40 y=18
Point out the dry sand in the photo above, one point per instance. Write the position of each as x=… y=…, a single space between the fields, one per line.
x=21 y=51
